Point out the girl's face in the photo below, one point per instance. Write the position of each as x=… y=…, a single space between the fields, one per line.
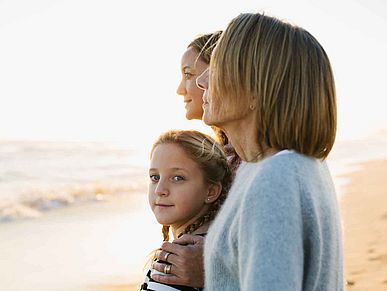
x=191 y=68
x=177 y=190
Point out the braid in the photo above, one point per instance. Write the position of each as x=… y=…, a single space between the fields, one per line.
x=214 y=207
x=165 y=231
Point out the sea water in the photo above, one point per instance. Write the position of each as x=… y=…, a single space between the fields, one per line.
x=37 y=176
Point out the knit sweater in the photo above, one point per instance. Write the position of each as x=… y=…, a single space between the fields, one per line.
x=279 y=229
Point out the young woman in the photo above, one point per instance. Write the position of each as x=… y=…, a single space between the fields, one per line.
x=189 y=178
x=194 y=62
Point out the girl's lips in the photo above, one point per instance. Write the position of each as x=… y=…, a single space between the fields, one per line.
x=164 y=205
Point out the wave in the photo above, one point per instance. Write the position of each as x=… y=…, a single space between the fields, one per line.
x=36 y=202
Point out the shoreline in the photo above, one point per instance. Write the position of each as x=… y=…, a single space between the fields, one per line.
x=364 y=215
x=96 y=246
x=103 y=246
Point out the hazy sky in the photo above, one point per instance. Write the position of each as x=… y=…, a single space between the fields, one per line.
x=108 y=69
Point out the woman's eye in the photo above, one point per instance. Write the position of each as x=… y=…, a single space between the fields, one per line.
x=154 y=178
x=187 y=75
x=178 y=178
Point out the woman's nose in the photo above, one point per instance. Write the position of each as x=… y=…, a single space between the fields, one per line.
x=202 y=80
x=181 y=88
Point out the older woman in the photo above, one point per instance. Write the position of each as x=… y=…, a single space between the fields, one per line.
x=271 y=89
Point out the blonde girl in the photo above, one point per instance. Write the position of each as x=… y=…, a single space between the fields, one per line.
x=189 y=177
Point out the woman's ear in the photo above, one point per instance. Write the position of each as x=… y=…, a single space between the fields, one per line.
x=214 y=191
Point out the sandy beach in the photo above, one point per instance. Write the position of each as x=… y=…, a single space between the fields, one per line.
x=364 y=211
x=102 y=246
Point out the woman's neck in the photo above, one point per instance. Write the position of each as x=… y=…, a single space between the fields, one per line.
x=242 y=135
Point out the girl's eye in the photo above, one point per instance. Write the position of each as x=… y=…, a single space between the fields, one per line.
x=154 y=178
x=178 y=178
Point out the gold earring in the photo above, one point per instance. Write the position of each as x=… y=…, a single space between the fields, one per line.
x=252 y=106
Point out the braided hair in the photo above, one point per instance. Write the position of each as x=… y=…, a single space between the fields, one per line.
x=212 y=161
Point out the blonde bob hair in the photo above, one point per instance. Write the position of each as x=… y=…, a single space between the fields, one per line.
x=286 y=73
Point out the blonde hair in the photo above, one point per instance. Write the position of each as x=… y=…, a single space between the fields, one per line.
x=212 y=161
x=286 y=72
x=204 y=45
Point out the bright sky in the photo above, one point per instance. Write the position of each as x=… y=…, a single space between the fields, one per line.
x=108 y=69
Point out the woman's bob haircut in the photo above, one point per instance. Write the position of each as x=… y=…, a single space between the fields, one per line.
x=285 y=70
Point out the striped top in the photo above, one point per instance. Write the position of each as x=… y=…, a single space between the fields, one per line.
x=152 y=285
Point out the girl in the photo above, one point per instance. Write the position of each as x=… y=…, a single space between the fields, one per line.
x=189 y=178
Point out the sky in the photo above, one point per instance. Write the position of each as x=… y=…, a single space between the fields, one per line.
x=107 y=70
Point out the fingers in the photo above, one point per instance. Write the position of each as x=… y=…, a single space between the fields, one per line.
x=163 y=273
x=186 y=261
x=179 y=246
x=170 y=279
x=161 y=269
x=189 y=239
x=158 y=274
x=162 y=255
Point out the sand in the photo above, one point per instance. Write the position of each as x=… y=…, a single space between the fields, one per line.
x=102 y=246
x=364 y=211
x=99 y=246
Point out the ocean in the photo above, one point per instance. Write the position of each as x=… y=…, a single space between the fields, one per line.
x=79 y=208
x=37 y=176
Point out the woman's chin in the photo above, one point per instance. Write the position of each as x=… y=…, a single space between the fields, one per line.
x=193 y=116
x=208 y=120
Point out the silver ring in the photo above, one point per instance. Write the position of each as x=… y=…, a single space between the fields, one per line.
x=167 y=269
x=166 y=256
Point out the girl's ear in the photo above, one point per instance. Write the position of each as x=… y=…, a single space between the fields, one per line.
x=214 y=191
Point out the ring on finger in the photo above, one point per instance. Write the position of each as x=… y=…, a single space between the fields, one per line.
x=166 y=256
x=167 y=269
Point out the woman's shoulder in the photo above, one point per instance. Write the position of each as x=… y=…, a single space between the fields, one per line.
x=285 y=169
x=289 y=162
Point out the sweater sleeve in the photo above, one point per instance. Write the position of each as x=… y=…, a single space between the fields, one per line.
x=270 y=240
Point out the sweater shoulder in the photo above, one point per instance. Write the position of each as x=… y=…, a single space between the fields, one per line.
x=285 y=166
x=281 y=177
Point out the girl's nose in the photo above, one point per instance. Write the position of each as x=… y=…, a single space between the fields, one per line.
x=202 y=80
x=161 y=189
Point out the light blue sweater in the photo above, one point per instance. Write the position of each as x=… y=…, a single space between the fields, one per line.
x=279 y=229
